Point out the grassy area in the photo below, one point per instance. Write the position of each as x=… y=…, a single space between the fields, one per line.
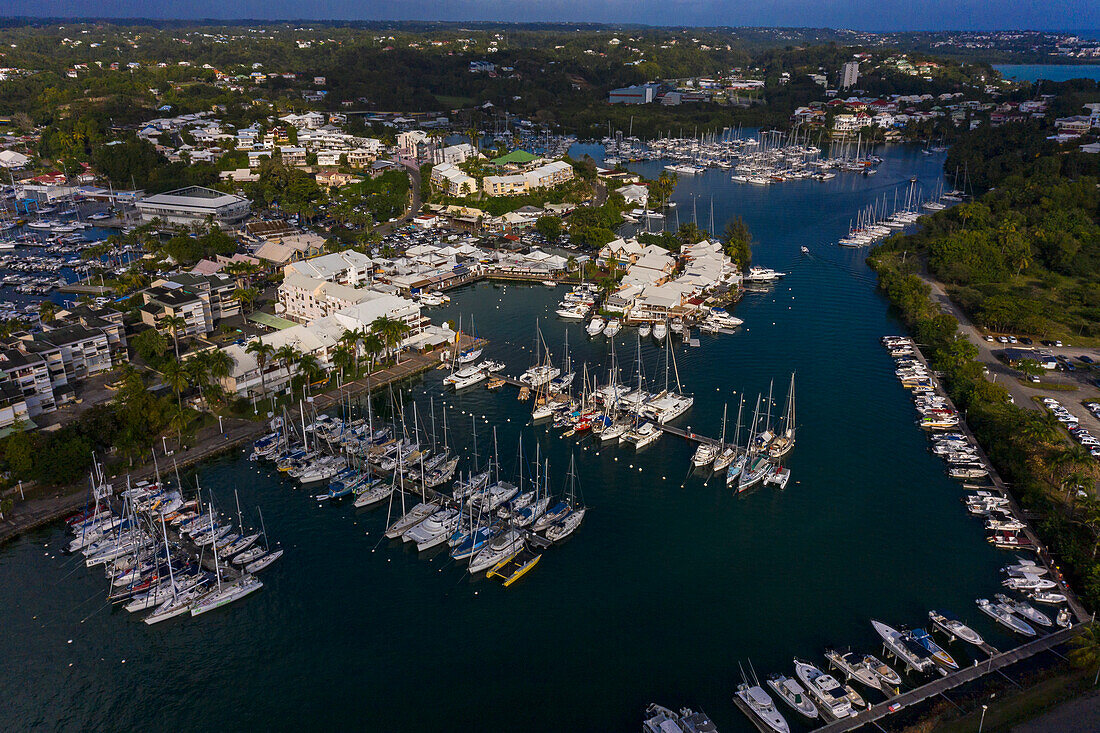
x=1048 y=386
x=1005 y=711
x=451 y=101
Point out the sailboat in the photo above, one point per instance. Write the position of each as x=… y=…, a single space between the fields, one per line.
x=784 y=440
x=726 y=453
x=568 y=524
x=755 y=465
x=225 y=593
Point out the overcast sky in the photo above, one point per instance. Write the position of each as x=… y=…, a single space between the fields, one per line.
x=861 y=14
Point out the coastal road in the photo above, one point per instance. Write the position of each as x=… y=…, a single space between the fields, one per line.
x=414 y=207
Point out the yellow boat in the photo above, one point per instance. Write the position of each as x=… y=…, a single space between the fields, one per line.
x=513 y=568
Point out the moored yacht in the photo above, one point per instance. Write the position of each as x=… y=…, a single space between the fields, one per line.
x=760 y=706
x=794 y=694
x=825 y=690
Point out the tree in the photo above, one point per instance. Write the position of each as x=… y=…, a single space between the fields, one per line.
x=1030 y=367
x=309 y=368
x=47 y=310
x=1086 y=648
x=372 y=346
x=392 y=331
x=343 y=358
x=549 y=227
x=690 y=233
x=220 y=364
x=176 y=378
x=174 y=324
x=198 y=373
x=246 y=296
x=738 y=242
x=288 y=355
x=262 y=353
x=150 y=345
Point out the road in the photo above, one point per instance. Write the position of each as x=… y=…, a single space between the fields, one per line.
x=414 y=208
x=1005 y=375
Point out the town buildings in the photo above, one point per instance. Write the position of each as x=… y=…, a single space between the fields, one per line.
x=194 y=204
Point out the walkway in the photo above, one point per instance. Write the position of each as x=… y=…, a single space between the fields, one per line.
x=1001 y=488
x=951 y=681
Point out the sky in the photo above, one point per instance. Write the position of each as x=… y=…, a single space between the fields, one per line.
x=874 y=15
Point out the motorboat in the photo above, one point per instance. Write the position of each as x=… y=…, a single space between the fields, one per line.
x=462 y=374
x=853 y=666
x=1021 y=608
x=613 y=326
x=1044 y=596
x=888 y=678
x=824 y=689
x=539 y=375
x=759 y=705
x=955 y=628
x=660 y=330
x=660 y=719
x=895 y=641
x=644 y=330
x=704 y=455
x=1027 y=581
x=794 y=694
x=595 y=326
x=939 y=655
x=1005 y=617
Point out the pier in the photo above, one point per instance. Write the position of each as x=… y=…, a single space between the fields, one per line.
x=1000 y=487
x=926 y=692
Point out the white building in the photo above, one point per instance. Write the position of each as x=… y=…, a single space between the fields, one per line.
x=194 y=204
x=349 y=268
x=849 y=74
x=454 y=154
x=453 y=180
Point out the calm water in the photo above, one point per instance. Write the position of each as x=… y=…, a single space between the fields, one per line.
x=1050 y=72
x=669 y=583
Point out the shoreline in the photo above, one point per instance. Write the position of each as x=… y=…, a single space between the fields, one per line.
x=35 y=513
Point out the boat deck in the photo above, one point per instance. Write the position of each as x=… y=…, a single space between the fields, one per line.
x=744 y=707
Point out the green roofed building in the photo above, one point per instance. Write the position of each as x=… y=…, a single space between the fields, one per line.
x=516 y=157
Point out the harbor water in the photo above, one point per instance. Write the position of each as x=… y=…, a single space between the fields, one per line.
x=1049 y=72
x=668 y=584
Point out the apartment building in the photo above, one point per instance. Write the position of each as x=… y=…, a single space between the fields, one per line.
x=454 y=181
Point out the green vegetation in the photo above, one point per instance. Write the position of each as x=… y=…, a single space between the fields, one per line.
x=1026 y=446
x=594 y=226
x=737 y=240
x=549 y=227
x=1025 y=257
x=188 y=249
x=574 y=191
x=127 y=427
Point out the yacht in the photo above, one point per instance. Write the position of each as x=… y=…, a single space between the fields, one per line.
x=574 y=312
x=660 y=330
x=504 y=545
x=226 y=594
x=753 y=473
x=644 y=330
x=378 y=493
x=415 y=516
x=435 y=530
x=794 y=694
x=824 y=689
x=462 y=374
x=895 y=641
x=566 y=526
x=1044 y=596
x=1005 y=617
x=662 y=720
x=595 y=326
x=539 y=375
x=477 y=378
x=613 y=327
x=759 y=705
x=854 y=667
x=705 y=455
x=955 y=628
x=939 y=656
x=1033 y=615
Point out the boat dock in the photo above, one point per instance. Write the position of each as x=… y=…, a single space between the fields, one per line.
x=1001 y=488
x=687 y=435
x=938 y=687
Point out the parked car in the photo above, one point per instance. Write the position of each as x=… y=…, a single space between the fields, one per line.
x=1087 y=359
x=1026 y=340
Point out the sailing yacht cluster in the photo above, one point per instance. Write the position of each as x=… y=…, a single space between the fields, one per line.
x=487 y=524
x=881 y=219
x=165 y=554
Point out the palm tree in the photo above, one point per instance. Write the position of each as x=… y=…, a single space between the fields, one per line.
x=288 y=355
x=372 y=347
x=198 y=372
x=1086 y=648
x=174 y=324
x=343 y=358
x=175 y=377
x=310 y=370
x=392 y=331
x=246 y=296
x=47 y=310
x=262 y=353
x=220 y=364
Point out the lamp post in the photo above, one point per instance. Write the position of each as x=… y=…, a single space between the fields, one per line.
x=982 y=721
x=164 y=444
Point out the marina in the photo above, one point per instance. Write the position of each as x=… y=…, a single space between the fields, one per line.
x=652 y=517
